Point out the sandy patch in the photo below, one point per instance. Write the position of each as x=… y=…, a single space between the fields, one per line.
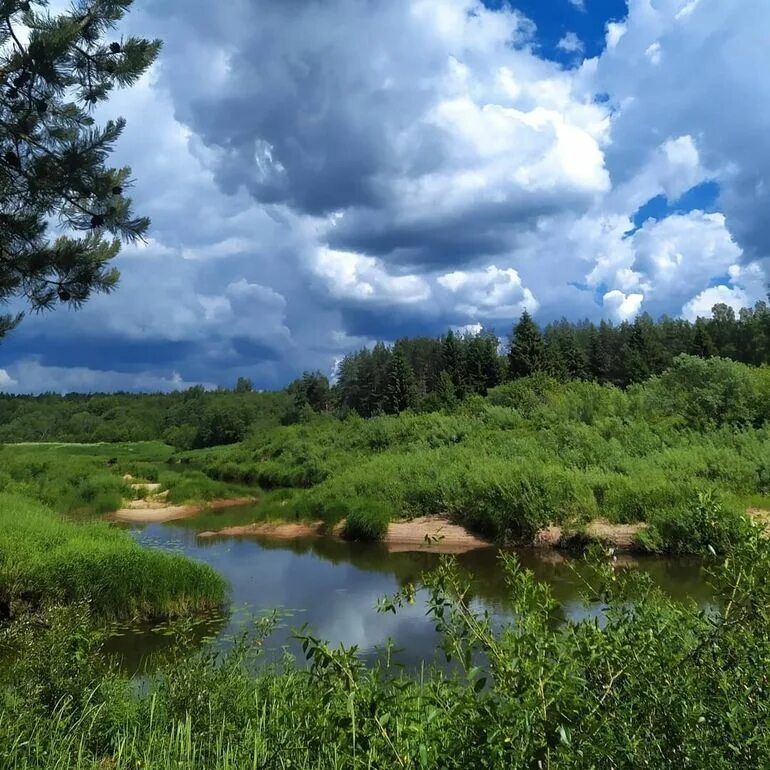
x=155 y=512
x=427 y=533
x=431 y=533
x=149 y=487
x=621 y=537
x=760 y=516
x=275 y=529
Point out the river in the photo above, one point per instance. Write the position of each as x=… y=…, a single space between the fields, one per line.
x=333 y=587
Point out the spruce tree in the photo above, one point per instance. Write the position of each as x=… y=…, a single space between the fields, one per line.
x=53 y=156
x=446 y=393
x=451 y=360
x=526 y=354
x=600 y=353
x=401 y=387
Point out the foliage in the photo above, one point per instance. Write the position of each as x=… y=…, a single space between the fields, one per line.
x=189 y=419
x=53 y=157
x=537 y=451
x=658 y=684
x=83 y=481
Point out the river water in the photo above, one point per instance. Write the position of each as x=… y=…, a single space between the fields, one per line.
x=334 y=586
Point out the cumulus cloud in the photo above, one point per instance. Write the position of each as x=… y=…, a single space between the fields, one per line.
x=324 y=174
x=350 y=276
x=658 y=98
x=489 y=293
x=747 y=285
x=6 y=381
x=622 y=307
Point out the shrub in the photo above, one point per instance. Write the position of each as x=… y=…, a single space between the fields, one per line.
x=707 y=524
x=366 y=520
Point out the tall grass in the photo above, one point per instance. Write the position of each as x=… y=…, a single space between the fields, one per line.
x=45 y=559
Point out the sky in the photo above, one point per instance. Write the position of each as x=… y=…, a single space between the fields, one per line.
x=325 y=173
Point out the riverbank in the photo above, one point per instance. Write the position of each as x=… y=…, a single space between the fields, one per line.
x=438 y=534
x=426 y=533
x=158 y=512
x=47 y=560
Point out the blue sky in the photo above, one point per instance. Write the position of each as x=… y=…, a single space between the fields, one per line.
x=322 y=175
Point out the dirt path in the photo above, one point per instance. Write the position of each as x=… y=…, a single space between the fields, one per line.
x=156 y=511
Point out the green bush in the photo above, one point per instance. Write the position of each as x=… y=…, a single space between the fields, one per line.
x=366 y=520
x=706 y=525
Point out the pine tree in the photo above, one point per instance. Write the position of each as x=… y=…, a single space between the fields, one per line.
x=481 y=364
x=526 y=354
x=53 y=158
x=401 y=387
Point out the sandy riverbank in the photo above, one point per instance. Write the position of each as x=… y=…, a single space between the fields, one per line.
x=426 y=533
x=156 y=512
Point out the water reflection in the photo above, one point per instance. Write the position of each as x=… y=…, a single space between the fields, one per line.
x=333 y=587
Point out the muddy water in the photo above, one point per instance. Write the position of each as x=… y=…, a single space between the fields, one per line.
x=333 y=587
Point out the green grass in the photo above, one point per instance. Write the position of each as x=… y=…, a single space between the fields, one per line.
x=45 y=559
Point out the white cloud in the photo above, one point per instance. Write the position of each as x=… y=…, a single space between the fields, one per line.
x=622 y=307
x=687 y=9
x=570 y=43
x=30 y=376
x=351 y=276
x=6 y=381
x=489 y=293
x=615 y=31
x=747 y=286
x=654 y=53
x=579 y=4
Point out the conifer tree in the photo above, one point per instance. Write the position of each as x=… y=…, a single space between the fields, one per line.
x=600 y=353
x=526 y=354
x=54 y=158
x=401 y=387
x=451 y=360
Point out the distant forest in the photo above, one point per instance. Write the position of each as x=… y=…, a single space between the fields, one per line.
x=432 y=373
x=419 y=373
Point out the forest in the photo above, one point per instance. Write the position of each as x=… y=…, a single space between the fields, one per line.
x=422 y=374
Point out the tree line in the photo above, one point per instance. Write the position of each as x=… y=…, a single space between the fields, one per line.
x=189 y=419
x=433 y=373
